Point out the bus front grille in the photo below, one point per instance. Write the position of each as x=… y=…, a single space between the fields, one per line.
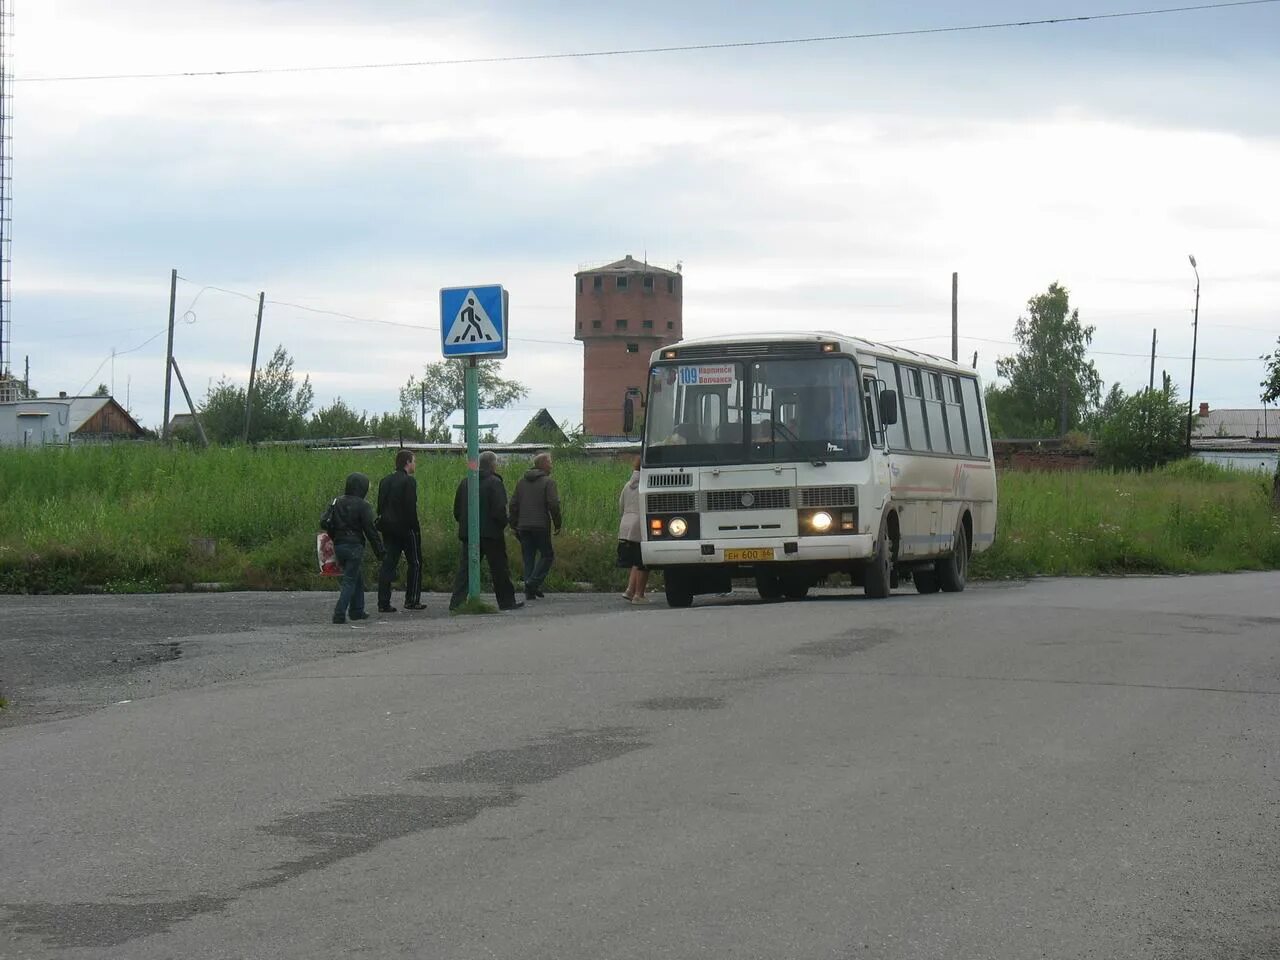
x=669 y=502
x=772 y=498
x=671 y=480
x=829 y=496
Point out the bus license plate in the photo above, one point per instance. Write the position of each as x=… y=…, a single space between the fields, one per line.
x=754 y=553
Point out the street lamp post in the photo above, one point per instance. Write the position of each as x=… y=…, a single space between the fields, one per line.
x=1195 y=330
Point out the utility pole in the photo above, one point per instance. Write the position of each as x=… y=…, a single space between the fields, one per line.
x=168 y=355
x=955 y=317
x=190 y=406
x=422 y=390
x=1195 y=330
x=1151 y=378
x=472 y=420
x=253 y=366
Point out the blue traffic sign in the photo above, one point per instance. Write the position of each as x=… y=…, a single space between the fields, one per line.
x=473 y=322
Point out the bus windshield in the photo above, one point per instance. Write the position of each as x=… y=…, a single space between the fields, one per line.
x=763 y=411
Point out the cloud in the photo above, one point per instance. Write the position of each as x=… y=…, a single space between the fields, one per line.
x=836 y=186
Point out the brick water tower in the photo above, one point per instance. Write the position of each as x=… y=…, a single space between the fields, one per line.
x=625 y=311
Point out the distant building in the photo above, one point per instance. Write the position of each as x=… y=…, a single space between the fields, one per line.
x=1259 y=423
x=625 y=311
x=65 y=420
x=517 y=426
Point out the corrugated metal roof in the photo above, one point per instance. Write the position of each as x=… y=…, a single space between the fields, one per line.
x=1258 y=423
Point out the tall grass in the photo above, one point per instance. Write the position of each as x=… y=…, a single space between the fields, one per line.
x=1188 y=517
x=124 y=517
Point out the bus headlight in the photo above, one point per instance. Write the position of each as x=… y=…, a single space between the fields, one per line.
x=821 y=521
x=677 y=527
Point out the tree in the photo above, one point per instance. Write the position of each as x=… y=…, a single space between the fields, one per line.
x=1141 y=431
x=442 y=390
x=102 y=391
x=394 y=426
x=280 y=406
x=1053 y=387
x=1271 y=383
x=338 y=420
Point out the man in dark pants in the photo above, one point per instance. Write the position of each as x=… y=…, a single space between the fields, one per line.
x=398 y=521
x=493 y=529
x=352 y=525
x=535 y=511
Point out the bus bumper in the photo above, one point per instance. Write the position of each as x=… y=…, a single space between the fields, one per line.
x=785 y=550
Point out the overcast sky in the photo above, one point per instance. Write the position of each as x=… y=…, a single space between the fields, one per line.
x=830 y=185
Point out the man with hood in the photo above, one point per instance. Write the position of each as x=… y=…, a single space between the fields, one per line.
x=493 y=529
x=535 y=511
x=352 y=525
x=398 y=521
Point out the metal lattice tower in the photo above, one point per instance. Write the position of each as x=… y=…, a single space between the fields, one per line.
x=6 y=184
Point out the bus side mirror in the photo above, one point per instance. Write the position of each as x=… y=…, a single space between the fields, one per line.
x=628 y=415
x=888 y=407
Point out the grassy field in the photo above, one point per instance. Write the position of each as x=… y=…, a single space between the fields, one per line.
x=1189 y=517
x=123 y=519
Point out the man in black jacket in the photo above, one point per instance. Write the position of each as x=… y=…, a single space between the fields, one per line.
x=352 y=525
x=535 y=512
x=398 y=521
x=493 y=526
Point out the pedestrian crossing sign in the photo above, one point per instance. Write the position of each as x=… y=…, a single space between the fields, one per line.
x=473 y=322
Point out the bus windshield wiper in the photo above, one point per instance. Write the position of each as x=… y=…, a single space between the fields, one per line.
x=794 y=443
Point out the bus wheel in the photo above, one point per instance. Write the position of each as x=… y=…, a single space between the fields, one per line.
x=953 y=571
x=926 y=581
x=678 y=590
x=768 y=585
x=877 y=576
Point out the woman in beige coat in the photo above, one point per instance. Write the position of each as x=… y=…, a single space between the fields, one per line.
x=630 y=530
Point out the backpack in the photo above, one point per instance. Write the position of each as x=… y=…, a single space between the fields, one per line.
x=329 y=519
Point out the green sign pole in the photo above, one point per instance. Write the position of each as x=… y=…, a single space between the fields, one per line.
x=472 y=423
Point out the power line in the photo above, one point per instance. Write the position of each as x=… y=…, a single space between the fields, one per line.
x=1096 y=353
x=347 y=317
x=640 y=51
x=118 y=353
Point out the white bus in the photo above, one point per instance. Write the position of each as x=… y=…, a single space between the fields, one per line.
x=789 y=457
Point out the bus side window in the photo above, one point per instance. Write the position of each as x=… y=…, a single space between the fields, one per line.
x=956 y=428
x=973 y=416
x=895 y=434
x=913 y=408
x=870 y=392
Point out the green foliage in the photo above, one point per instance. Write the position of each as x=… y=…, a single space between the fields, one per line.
x=338 y=420
x=280 y=406
x=102 y=390
x=442 y=390
x=1187 y=517
x=1053 y=386
x=122 y=517
x=395 y=426
x=1141 y=431
x=1271 y=382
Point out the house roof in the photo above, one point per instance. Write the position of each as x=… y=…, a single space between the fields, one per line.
x=78 y=410
x=1260 y=423
x=511 y=421
x=630 y=264
x=83 y=410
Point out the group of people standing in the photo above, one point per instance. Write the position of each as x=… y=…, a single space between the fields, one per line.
x=533 y=512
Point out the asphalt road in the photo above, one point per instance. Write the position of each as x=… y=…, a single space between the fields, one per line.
x=1052 y=769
